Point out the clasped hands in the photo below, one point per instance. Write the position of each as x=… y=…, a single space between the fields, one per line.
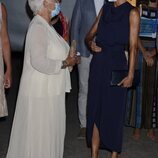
x=73 y=59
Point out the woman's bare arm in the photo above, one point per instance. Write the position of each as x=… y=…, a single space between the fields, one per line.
x=92 y=33
x=133 y=42
x=134 y=31
x=6 y=48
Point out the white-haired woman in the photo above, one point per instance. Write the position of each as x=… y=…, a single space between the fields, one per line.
x=39 y=124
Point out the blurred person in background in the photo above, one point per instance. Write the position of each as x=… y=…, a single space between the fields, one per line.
x=142 y=111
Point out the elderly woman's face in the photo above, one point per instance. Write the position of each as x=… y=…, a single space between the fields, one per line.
x=50 y=4
x=53 y=7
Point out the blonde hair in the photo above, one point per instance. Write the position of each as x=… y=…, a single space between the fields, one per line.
x=35 y=5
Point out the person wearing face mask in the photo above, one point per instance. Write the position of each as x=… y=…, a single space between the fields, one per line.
x=38 y=129
x=142 y=110
x=60 y=23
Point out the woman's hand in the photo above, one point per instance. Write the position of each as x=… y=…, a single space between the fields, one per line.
x=7 y=80
x=149 y=61
x=94 y=47
x=78 y=59
x=126 y=82
x=152 y=52
x=148 y=58
x=72 y=59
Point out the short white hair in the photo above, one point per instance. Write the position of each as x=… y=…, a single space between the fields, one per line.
x=35 y=5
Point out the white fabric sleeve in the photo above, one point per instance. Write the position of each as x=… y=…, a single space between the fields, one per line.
x=38 y=44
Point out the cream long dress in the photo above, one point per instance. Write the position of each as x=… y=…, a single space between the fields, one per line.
x=3 y=105
x=39 y=123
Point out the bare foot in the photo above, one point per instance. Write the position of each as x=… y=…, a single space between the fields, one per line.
x=136 y=134
x=152 y=135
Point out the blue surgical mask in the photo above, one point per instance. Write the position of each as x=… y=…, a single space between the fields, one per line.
x=56 y=11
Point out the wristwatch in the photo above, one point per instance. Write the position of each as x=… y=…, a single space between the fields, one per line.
x=64 y=64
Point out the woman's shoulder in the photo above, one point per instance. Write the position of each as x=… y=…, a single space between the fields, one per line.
x=37 y=25
x=135 y=11
x=38 y=21
x=134 y=14
x=132 y=9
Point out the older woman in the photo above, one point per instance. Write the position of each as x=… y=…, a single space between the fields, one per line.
x=5 y=79
x=39 y=124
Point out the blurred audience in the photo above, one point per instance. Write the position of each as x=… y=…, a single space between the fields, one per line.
x=142 y=111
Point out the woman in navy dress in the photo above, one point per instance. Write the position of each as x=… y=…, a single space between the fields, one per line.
x=116 y=26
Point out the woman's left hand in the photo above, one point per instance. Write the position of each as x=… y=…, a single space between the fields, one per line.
x=126 y=82
x=7 y=80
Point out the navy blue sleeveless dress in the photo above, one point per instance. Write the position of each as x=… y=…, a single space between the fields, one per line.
x=106 y=104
